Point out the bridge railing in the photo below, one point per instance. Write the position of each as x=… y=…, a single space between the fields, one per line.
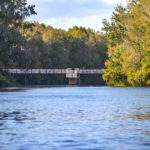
x=35 y=71
x=53 y=71
x=90 y=71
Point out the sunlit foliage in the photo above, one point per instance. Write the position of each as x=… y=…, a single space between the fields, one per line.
x=128 y=36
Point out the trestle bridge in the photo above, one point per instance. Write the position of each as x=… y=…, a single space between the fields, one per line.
x=72 y=74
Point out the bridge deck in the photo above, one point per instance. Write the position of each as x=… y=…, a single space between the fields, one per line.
x=52 y=71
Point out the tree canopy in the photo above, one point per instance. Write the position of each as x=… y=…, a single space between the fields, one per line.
x=56 y=48
x=128 y=37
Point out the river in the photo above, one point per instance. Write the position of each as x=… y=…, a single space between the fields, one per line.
x=75 y=118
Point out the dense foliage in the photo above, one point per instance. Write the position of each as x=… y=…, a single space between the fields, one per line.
x=128 y=36
x=33 y=45
x=56 y=48
x=12 y=14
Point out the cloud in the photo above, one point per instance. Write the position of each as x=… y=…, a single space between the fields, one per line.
x=82 y=1
x=105 y=1
x=94 y=22
x=68 y=13
x=33 y=1
x=123 y=2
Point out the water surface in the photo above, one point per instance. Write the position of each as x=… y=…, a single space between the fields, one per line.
x=78 y=118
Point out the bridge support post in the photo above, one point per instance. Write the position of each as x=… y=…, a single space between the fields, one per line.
x=73 y=81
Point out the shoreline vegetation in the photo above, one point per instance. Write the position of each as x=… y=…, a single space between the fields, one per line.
x=128 y=40
x=123 y=49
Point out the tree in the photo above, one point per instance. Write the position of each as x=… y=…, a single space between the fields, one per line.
x=12 y=14
x=133 y=44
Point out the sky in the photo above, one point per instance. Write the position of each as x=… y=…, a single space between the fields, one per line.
x=65 y=14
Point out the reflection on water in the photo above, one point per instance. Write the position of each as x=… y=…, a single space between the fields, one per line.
x=141 y=113
x=82 y=118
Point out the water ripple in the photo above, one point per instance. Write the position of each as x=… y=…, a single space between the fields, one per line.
x=84 y=118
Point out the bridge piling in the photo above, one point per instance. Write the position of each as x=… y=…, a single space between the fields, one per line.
x=73 y=81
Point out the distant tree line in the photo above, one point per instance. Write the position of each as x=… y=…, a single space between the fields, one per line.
x=128 y=39
x=33 y=45
x=55 y=48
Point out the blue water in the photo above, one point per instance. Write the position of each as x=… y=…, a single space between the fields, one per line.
x=77 y=118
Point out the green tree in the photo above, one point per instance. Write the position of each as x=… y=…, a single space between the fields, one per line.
x=133 y=44
x=12 y=14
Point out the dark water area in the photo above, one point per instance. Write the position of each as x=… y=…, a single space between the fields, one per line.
x=75 y=118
